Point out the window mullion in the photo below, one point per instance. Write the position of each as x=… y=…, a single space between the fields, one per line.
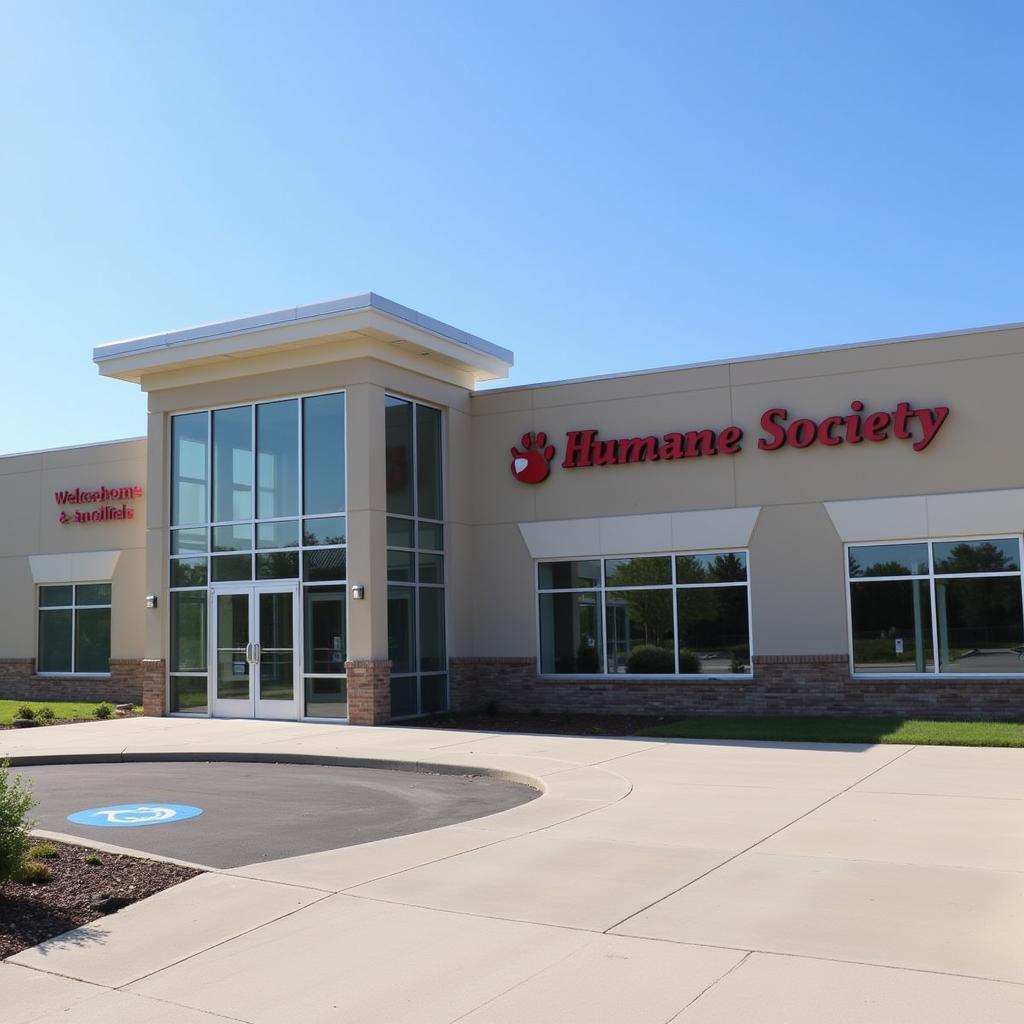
x=209 y=467
x=675 y=618
x=300 y=455
x=602 y=610
x=254 y=483
x=413 y=462
x=603 y=628
x=1020 y=562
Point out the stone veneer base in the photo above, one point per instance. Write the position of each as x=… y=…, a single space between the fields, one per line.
x=796 y=685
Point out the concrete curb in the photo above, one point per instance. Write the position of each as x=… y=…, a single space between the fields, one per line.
x=124 y=851
x=264 y=757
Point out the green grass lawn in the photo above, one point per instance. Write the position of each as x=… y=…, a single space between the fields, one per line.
x=808 y=729
x=63 y=710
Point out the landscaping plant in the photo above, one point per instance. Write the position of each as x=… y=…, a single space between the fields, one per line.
x=34 y=872
x=104 y=710
x=16 y=801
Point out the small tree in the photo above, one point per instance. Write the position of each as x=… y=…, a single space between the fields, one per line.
x=16 y=801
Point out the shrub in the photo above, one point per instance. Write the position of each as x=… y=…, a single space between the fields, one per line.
x=33 y=871
x=46 y=714
x=104 y=710
x=43 y=852
x=26 y=712
x=647 y=659
x=689 y=663
x=93 y=858
x=16 y=801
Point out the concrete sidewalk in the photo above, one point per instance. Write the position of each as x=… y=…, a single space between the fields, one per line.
x=654 y=881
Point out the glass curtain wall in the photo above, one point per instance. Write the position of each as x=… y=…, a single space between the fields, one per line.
x=415 y=558
x=937 y=606
x=258 y=493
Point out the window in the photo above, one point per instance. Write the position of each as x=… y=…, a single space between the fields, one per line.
x=936 y=606
x=326 y=692
x=415 y=558
x=683 y=614
x=74 y=629
x=258 y=493
x=187 y=662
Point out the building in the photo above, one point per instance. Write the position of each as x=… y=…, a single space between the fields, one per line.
x=327 y=520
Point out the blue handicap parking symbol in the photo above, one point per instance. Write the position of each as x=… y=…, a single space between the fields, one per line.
x=134 y=815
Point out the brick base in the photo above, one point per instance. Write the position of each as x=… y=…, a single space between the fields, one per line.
x=15 y=676
x=823 y=685
x=154 y=688
x=18 y=681
x=794 y=685
x=369 y=692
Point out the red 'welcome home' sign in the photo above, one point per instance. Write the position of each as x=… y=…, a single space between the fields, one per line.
x=105 y=513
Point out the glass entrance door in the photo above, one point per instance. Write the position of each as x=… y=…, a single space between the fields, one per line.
x=255 y=650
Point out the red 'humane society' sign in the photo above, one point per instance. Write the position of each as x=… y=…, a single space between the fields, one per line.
x=584 y=448
x=105 y=513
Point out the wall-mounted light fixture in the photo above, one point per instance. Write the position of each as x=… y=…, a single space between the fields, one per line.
x=151 y=600
x=357 y=591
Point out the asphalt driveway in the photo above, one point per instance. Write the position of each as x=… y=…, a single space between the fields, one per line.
x=259 y=812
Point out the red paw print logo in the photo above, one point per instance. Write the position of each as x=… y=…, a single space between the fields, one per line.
x=532 y=464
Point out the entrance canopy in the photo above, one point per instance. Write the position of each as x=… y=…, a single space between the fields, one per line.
x=360 y=325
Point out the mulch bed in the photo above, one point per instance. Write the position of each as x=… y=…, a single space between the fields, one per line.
x=43 y=724
x=33 y=912
x=553 y=725
x=56 y=721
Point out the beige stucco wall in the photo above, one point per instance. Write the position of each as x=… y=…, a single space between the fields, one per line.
x=30 y=514
x=796 y=556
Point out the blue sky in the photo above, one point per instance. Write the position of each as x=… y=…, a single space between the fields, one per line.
x=597 y=186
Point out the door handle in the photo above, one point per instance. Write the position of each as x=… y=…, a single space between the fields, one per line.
x=255 y=653
x=249 y=653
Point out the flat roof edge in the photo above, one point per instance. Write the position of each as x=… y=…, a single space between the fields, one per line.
x=786 y=354
x=299 y=314
x=72 y=447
